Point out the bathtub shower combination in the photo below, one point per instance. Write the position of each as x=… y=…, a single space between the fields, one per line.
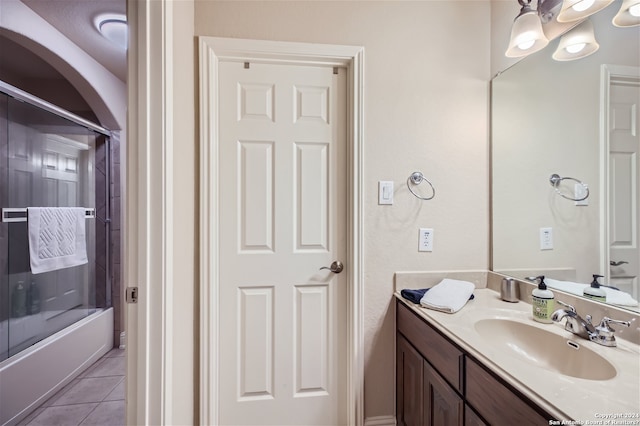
x=55 y=315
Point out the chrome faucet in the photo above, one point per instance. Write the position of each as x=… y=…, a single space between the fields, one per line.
x=601 y=334
x=575 y=323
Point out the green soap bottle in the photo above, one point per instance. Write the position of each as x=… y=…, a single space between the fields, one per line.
x=594 y=292
x=543 y=302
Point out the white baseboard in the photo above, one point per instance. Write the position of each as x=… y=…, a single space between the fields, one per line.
x=380 y=421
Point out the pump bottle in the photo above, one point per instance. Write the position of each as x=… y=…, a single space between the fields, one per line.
x=594 y=292
x=543 y=302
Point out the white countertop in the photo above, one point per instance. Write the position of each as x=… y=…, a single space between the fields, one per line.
x=565 y=397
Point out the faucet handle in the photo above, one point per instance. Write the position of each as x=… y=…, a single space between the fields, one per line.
x=604 y=333
x=604 y=324
x=571 y=308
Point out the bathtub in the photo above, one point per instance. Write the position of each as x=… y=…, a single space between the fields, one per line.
x=32 y=376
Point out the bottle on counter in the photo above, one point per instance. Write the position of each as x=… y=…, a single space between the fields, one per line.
x=19 y=300
x=594 y=292
x=543 y=302
x=33 y=299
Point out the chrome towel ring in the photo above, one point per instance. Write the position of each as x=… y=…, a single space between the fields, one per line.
x=417 y=178
x=555 y=180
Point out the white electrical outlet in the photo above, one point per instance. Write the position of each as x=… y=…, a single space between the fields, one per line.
x=546 y=238
x=385 y=192
x=425 y=239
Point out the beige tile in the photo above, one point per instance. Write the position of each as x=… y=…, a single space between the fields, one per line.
x=108 y=413
x=88 y=389
x=118 y=392
x=67 y=415
x=31 y=416
x=51 y=401
x=108 y=366
x=115 y=353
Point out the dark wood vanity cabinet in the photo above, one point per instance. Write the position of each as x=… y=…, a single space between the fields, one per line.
x=437 y=384
x=423 y=396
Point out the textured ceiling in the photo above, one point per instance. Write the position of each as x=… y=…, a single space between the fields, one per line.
x=74 y=19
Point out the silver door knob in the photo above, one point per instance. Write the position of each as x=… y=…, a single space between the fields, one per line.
x=336 y=267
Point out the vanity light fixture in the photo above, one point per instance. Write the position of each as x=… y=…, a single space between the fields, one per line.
x=629 y=14
x=526 y=33
x=574 y=10
x=113 y=27
x=577 y=43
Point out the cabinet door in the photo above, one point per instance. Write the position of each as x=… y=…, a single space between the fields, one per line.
x=471 y=418
x=442 y=405
x=409 y=384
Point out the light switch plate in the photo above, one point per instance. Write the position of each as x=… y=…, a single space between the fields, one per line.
x=385 y=192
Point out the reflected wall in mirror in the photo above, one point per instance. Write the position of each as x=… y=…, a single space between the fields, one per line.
x=558 y=117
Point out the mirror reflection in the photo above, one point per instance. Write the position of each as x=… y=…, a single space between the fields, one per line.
x=578 y=120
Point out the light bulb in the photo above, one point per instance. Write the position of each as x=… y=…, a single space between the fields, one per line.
x=581 y=6
x=575 y=48
x=524 y=45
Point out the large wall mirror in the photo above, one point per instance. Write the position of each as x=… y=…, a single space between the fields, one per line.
x=578 y=119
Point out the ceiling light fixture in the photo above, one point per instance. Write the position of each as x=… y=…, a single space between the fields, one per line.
x=574 y=10
x=629 y=14
x=577 y=43
x=113 y=27
x=526 y=33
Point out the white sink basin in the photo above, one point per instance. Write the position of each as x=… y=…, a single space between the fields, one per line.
x=545 y=349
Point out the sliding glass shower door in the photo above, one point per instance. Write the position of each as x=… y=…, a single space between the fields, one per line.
x=45 y=161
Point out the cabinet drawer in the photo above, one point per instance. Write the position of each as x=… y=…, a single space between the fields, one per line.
x=494 y=401
x=435 y=348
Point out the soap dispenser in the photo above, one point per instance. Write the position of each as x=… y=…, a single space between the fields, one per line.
x=543 y=302
x=594 y=292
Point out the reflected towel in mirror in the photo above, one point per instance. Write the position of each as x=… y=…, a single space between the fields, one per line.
x=615 y=297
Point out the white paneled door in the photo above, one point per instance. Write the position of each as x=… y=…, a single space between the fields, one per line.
x=282 y=207
x=624 y=184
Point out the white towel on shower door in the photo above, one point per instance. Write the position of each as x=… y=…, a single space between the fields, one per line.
x=56 y=238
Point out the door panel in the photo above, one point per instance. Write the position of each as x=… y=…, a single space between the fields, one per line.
x=624 y=190
x=283 y=216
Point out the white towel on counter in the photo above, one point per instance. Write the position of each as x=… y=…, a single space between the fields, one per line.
x=448 y=295
x=56 y=238
x=615 y=297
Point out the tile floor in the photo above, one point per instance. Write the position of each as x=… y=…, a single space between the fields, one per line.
x=96 y=397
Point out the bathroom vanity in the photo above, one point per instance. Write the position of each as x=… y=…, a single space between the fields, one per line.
x=491 y=364
x=438 y=383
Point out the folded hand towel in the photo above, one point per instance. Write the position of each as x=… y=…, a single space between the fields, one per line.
x=615 y=297
x=568 y=286
x=413 y=295
x=56 y=238
x=448 y=295
x=416 y=295
x=620 y=298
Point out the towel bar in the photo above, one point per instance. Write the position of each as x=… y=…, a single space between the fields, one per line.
x=19 y=214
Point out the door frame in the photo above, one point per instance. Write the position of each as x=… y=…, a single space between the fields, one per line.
x=212 y=50
x=608 y=75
